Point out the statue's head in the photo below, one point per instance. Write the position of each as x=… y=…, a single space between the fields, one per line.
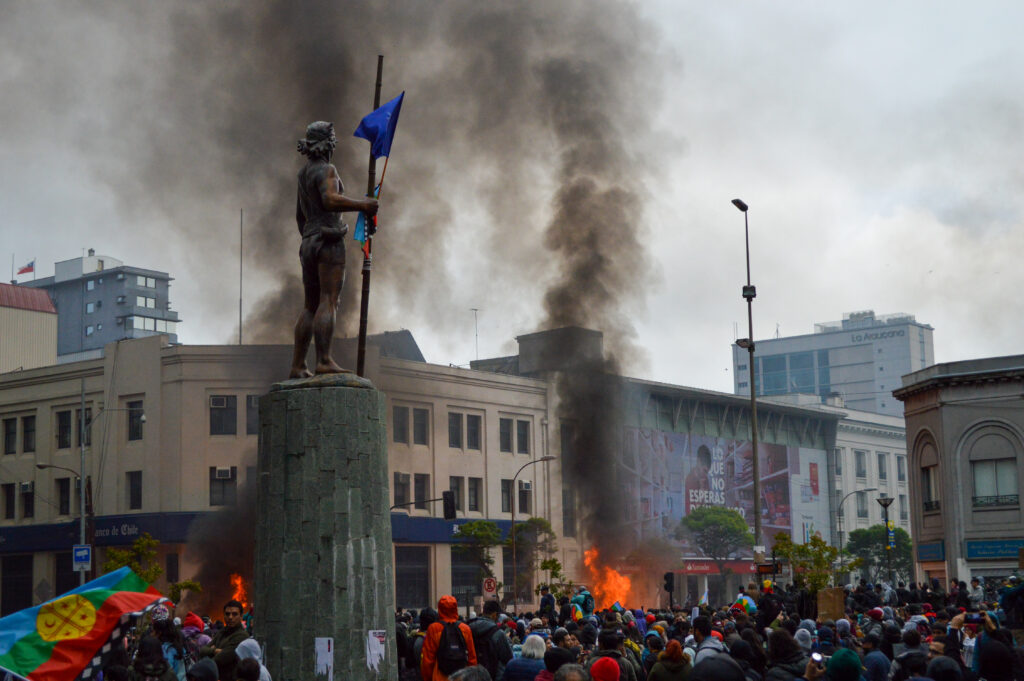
x=320 y=140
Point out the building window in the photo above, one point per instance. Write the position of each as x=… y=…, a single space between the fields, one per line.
x=995 y=482
x=506 y=496
x=476 y=486
x=84 y=435
x=90 y=307
x=455 y=430
x=252 y=414
x=861 y=458
x=172 y=568
x=473 y=422
x=400 y=424
x=455 y=487
x=525 y=497
x=146 y=282
x=28 y=433
x=742 y=384
x=421 y=488
x=522 y=437
x=89 y=330
x=883 y=466
x=223 y=414
x=401 y=489
x=930 y=488
x=10 y=436
x=63 y=496
x=63 y=429
x=862 y=504
x=133 y=489
x=145 y=301
x=8 y=488
x=135 y=417
x=901 y=468
x=568 y=511
x=741 y=367
x=420 y=430
x=505 y=435
x=904 y=513
x=28 y=502
x=839 y=460
x=90 y=285
x=223 y=486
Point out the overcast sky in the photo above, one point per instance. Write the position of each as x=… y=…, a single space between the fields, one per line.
x=877 y=144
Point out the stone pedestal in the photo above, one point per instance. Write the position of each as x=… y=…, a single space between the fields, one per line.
x=323 y=541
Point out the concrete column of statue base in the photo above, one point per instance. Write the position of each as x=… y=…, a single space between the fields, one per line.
x=323 y=541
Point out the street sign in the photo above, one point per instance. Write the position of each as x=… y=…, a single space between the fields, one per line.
x=490 y=586
x=81 y=557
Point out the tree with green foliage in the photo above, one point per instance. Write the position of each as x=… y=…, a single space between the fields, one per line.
x=535 y=541
x=718 y=531
x=812 y=563
x=478 y=537
x=558 y=582
x=870 y=546
x=141 y=557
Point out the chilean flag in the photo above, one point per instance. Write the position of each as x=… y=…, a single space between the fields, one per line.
x=27 y=268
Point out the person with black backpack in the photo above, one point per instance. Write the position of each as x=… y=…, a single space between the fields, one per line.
x=493 y=649
x=448 y=645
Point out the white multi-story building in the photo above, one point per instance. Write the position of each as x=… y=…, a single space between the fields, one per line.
x=861 y=358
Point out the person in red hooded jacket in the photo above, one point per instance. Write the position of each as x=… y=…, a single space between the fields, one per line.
x=448 y=610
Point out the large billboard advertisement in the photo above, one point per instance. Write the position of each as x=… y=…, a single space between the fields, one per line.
x=668 y=475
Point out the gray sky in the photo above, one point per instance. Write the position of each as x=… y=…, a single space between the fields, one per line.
x=876 y=144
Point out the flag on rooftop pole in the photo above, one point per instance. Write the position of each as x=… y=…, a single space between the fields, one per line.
x=30 y=266
x=71 y=636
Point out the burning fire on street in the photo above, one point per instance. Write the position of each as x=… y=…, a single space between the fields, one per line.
x=240 y=593
x=607 y=584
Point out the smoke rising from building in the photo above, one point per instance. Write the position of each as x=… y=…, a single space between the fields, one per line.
x=515 y=165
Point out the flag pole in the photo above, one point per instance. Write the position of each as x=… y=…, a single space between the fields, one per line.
x=364 y=303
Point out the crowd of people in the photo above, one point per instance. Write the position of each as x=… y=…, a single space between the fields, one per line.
x=166 y=648
x=764 y=634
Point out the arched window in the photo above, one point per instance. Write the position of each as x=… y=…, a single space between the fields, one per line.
x=930 y=483
x=993 y=459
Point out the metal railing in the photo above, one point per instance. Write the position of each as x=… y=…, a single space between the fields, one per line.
x=997 y=500
x=933 y=505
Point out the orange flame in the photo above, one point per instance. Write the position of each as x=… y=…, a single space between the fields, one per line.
x=608 y=584
x=241 y=594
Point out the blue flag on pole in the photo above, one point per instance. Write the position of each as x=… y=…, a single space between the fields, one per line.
x=379 y=127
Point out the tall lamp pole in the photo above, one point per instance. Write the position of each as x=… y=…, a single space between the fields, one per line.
x=515 y=571
x=750 y=292
x=885 y=503
x=842 y=520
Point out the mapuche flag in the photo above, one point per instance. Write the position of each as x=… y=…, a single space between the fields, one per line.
x=69 y=636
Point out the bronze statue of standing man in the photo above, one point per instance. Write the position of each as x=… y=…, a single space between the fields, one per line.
x=322 y=253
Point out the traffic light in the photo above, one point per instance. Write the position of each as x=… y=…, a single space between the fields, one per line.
x=448 y=501
x=670 y=581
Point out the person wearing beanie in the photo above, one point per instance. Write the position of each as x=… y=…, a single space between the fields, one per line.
x=605 y=669
x=843 y=666
x=554 y=659
x=804 y=639
x=203 y=670
x=717 y=668
x=872 y=624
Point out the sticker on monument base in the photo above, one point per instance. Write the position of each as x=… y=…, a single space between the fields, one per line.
x=324 y=658
x=375 y=640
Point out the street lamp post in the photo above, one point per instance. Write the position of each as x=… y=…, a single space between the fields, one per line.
x=842 y=519
x=885 y=502
x=749 y=293
x=80 y=473
x=515 y=571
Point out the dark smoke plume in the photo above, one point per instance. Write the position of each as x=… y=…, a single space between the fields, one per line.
x=516 y=166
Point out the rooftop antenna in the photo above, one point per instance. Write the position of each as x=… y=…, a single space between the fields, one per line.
x=776 y=329
x=476 y=332
x=241 y=222
x=735 y=331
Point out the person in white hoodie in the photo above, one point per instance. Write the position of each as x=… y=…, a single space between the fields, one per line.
x=250 y=649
